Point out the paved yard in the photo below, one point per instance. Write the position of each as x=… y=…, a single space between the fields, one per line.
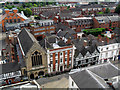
x=62 y=83
x=59 y=81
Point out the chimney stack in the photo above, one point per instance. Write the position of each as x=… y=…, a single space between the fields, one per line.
x=15 y=10
x=6 y=11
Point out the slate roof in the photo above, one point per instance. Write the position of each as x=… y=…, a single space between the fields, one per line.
x=114 y=18
x=26 y=40
x=64 y=31
x=45 y=46
x=81 y=21
x=9 y=67
x=107 y=19
x=117 y=31
x=94 y=76
x=105 y=71
x=84 y=80
x=50 y=14
x=61 y=26
x=61 y=43
x=92 y=48
x=103 y=19
x=80 y=48
x=51 y=39
x=118 y=39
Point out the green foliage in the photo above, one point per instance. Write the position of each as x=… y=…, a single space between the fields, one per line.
x=117 y=10
x=27 y=12
x=100 y=13
x=94 y=32
x=107 y=10
x=20 y=9
x=7 y=3
x=5 y=8
x=35 y=5
x=9 y=6
x=28 y=5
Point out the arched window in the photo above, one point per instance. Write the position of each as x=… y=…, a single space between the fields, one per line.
x=36 y=59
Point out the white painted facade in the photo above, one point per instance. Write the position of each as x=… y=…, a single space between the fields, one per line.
x=108 y=52
x=72 y=84
x=50 y=58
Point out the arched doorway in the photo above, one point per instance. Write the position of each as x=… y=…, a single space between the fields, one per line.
x=32 y=76
x=41 y=73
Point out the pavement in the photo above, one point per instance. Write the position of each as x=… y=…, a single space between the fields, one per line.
x=59 y=81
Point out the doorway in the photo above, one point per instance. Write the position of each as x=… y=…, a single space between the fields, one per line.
x=32 y=76
x=61 y=68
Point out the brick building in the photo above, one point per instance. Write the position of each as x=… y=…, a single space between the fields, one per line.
x=40 y=27
x=11 y=16
x=49 y=55
x=77 y=24
x=106 y=21
x=37 y=10
x=66 y=15
x=60 y=55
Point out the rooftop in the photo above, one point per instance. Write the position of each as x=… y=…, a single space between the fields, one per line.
x=96 y=75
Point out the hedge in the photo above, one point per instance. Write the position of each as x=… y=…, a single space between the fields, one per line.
x=94 y=32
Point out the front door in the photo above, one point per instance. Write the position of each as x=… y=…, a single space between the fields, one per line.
x=61 y=68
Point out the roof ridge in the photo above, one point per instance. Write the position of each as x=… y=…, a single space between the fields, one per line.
x=90 y=73
x=31 y=36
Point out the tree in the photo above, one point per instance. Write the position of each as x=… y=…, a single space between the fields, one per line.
x=107 y=10
x=20 y=9
x=35 y=5
x=117 y=10
x=5 y=8
x=100 y=13
x=27 y=12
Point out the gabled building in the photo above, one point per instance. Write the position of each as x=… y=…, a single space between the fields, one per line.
x=101 y=22
x=60 y=55
x=32 y=56
x=11 y=16
x=85 y=54
x=109 y=48
x=78 y=24
x=66 y=15
x=103 y=76
x=47 y=56
x=10 y=73
x=106 y=21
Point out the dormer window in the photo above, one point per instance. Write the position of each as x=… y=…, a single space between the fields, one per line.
x=102 y=49
x=107 y=48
